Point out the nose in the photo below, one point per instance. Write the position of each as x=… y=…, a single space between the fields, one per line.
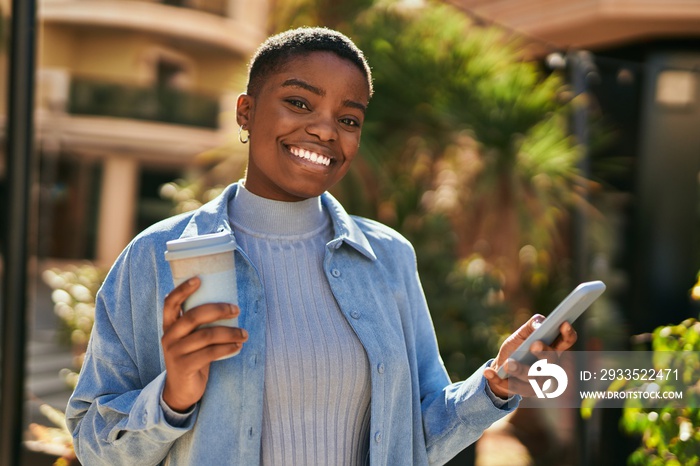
x=323 y=127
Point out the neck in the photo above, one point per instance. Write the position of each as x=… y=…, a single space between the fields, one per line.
x=266 y=216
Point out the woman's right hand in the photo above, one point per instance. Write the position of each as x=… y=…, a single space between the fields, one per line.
x=189 y=350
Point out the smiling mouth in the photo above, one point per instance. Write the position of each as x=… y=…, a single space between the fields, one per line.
x=310 y=156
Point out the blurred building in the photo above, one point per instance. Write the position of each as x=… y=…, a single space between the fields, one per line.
x=590 y=24
x=644 y=74
x=129 y=93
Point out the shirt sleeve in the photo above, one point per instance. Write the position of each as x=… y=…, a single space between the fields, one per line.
x=454 y=415
x=114 y=413
x=174 y=418
x=499 y=402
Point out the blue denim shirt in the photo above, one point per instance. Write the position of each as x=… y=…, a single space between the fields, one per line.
x=417 y=416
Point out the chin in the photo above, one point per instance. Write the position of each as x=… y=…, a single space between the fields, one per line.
x=305 y=190
x=306 y=194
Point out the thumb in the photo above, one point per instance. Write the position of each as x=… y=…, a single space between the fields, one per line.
x=530 y=326
x=519 y=336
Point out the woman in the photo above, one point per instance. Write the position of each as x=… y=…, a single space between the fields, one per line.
x=338 y=359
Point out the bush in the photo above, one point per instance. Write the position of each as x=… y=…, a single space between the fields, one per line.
x=671 y=435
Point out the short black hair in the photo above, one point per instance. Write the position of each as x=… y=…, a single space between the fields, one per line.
x=278 y=49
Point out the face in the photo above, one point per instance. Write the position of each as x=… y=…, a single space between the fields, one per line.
x=304 y=126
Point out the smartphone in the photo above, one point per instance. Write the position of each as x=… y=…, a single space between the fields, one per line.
x=567 y=311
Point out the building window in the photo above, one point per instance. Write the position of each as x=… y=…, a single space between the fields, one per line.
x=70 y=193
x=171 y=75
x=151 y=206
x=676 y=88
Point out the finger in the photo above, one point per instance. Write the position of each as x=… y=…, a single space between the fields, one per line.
x=508 y=387
x=202 y=358
x=528 y=327
x=512 y=368
x=516 y=369
x=520 y=387
x=498 y=385
x=200 y=315
x=566 y=339
x=172 y=306
x=516 y=338
x=533 y=323
x=210 y=336
x=542 y=351
x=518 y=381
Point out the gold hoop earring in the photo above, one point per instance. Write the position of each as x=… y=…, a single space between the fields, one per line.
x=240 y=135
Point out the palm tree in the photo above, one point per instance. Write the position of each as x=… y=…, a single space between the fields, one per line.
x=465 y=150
x=337 y=14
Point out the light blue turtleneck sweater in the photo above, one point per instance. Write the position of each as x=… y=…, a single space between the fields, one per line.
x=317 y=388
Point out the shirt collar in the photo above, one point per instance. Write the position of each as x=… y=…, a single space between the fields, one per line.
x=345 y=228
x=213 y=217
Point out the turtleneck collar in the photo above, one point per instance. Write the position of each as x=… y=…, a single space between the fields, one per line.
x=260 y=215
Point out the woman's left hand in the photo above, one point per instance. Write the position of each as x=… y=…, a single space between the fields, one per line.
x=517 y=381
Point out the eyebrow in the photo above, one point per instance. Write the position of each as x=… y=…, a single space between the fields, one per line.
x=357 y=105
x=294 y=82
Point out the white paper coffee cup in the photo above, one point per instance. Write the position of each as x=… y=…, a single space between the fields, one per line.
x=211 y=258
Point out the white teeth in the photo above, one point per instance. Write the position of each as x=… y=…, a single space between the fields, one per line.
x=310 y=156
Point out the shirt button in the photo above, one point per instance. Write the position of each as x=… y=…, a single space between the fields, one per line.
x=378 y=437
x=380 y=368
x=355 y=314
x=335 y=273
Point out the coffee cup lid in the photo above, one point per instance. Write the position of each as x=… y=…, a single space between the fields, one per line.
x=202 y=245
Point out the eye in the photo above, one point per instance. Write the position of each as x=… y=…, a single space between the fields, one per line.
x=350 y=122
x=298 y=104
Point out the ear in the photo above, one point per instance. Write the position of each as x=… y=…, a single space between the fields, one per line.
x=244 y=109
